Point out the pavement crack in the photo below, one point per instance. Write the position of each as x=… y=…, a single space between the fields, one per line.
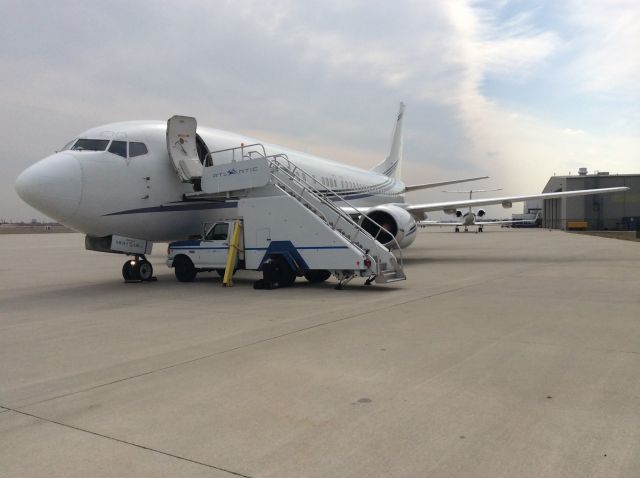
x=125 y=442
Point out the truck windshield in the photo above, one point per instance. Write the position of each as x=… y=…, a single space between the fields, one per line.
x=218 y=232
x=90 y=145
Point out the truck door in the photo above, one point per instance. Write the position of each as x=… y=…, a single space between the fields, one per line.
x=183 y=147
x=215 y=247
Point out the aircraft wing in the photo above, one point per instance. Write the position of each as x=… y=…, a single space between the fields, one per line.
x=417 y=209
x=475 y=223
x=417 y=187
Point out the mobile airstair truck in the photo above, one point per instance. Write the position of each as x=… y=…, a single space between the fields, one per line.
x=286 y=227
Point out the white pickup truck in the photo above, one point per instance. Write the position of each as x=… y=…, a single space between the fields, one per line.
x=279 y=261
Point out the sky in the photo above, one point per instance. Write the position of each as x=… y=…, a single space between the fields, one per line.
x=515 y=90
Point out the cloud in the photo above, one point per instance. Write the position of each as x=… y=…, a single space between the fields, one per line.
x=326 y=77
x=606 y=43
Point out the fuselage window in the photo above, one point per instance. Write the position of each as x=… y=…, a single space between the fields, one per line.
x=137 y=149
x=90 y=145
x=119 y=148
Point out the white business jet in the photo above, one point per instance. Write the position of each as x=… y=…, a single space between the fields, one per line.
x=127 y=185
x=470 y=218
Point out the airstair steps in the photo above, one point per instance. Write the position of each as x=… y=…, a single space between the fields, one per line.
x=319 y=200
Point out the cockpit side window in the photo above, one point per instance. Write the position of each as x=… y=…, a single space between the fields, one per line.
x=137 y=149
x=90 y=145
x=119 y=148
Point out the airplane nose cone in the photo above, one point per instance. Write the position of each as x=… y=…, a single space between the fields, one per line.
x=53 y=186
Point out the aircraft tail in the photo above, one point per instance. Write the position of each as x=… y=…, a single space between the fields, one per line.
x=392 y=166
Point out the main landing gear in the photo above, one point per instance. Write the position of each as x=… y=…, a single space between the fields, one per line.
x=479 y=228
x=138 y=269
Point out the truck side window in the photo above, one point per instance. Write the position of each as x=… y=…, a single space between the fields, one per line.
x=218 y=232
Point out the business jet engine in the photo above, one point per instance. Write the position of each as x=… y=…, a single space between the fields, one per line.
x=396 y=222
x=481 y=213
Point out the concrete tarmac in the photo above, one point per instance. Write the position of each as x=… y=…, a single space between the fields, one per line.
x=507 y=353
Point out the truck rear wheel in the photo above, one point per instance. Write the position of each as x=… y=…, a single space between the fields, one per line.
x=184 y=269
x=317 y=276
x=277 y=273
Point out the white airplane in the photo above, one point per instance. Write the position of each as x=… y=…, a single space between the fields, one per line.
x=132 y=180
x=470 y=218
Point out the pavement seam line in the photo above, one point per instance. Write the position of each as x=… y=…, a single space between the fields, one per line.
x=125 y=442
x=251 y=344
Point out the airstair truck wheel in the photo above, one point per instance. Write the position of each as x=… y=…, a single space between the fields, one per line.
x=277 y=273
x=184 y=269
x=317 y=276
x=286 y=275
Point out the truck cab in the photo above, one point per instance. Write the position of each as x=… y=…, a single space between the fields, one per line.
x=209 y=253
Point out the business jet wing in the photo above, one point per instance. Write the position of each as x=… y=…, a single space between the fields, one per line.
x=475 y=223
x=417 y=187
x=438 y=223
x=417 y=209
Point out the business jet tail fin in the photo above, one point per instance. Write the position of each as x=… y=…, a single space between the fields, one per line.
x=392 y=166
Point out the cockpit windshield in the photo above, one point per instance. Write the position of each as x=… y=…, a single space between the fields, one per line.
x=90 y=145
x=68 y=145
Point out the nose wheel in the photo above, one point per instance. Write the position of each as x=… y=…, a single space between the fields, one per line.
x=138 y=270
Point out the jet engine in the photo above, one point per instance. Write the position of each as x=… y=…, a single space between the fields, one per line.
x=481 y=212
x=396 y=222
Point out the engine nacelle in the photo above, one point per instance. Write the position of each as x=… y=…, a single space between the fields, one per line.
x=396 y=222
x=481 y=213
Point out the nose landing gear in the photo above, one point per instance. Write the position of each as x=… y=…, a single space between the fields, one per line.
x=138 y=269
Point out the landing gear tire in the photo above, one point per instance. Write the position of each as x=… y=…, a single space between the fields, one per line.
x=457 y=229
x=184 y=269
x=135 y=270
x=144 y=269
x=128 y=272
x=480 y=229
x=317 y=276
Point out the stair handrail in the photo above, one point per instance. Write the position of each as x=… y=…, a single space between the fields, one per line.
x=329 y=203
x=208 y=158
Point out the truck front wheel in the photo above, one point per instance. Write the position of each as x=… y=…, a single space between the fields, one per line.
x=184 y=269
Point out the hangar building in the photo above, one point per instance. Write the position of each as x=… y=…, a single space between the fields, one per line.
x=618 y=211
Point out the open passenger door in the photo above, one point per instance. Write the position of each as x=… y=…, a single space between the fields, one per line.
x=183 y=147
